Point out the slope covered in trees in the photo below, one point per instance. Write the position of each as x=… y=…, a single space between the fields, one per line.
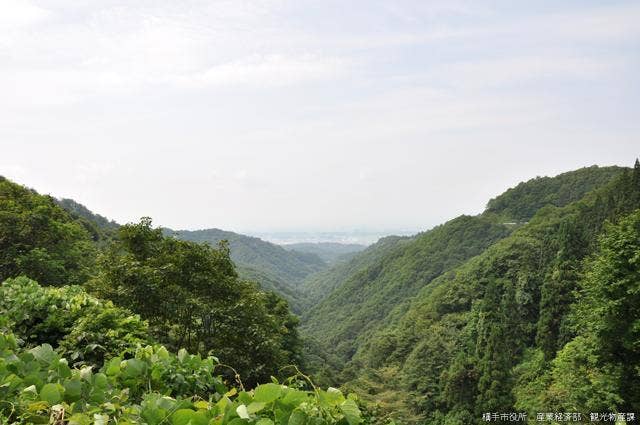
x=84 y=350
x=476 y=315
x=40 y=240
x=318 y=285
x=520 y=203
x=525 y=326
x=379 y=339
x=274 y=268
x=288 y=266
x=77 y=209
x=355 y=309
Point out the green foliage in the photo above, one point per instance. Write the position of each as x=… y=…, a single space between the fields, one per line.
x=272 y=260
x=41 y=240
x=494 y=332
x=192 y=297
x=532 y=379
x=523 y=201
x=318 y=286
x=153 y=387
x=369 y=299
x=288 y=291
x=100 y=228
x=607 y=320
x=81 y=327
x=580 y=381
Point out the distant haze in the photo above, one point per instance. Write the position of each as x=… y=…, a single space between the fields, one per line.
x=311 y=116
x=362 y=237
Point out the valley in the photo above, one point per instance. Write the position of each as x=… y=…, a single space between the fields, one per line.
x=491 y=312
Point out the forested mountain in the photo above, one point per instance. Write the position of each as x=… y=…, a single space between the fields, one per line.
x=530 y=307
x=329 y=252
x=279 y=266
x=356 y=308
x=181 y=288
x=273 y=267
x=287 y=266
x=105 y=226
x=291 y=292
x=81 y=346
x=516 y=328
x=520 y=203
x=515 y=205
x=318 y=285
x=41 y=239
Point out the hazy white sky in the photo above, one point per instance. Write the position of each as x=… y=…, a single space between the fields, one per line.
x=311 y=114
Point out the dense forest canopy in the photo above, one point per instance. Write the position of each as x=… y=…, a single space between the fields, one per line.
x=41 y=240
x=528 y=307
x=85 y=302
x=473 y=338
x=520 y=203
x=285 y=265
x=192 y=297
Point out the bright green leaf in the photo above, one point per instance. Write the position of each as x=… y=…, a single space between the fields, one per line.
x=267 y=393
x=350 y=410
x=51 y=394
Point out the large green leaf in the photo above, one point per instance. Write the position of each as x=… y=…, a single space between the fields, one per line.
x=255 y=407
x=44 y=353
x=72 y=390
x=188 y=417
x=298 y=417
x=51 y=394
x=350 y=410
x=267 y=393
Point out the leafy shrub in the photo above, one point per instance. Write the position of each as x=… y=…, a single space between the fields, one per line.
x=193 y=298
x=81 y=327
x=38 y=386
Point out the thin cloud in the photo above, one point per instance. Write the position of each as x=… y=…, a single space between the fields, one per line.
x=18 y=14
x=347 y=106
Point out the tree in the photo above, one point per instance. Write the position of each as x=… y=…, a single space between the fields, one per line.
x=192 y=297
x=40 y=240
x=608 y=307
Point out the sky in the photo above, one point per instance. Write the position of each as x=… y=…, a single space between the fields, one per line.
x=311 y=115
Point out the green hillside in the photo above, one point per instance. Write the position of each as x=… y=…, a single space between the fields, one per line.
x=361 y=304
x=290 y=292
x=529 y=307
x=274 y=268
x=520 y=203
x=286 y=266
x=41 y=240
x=106 y=228
x=318 y=285
x=367 y=320
x=507 y=330
x=83 y=346
x=515 y=205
